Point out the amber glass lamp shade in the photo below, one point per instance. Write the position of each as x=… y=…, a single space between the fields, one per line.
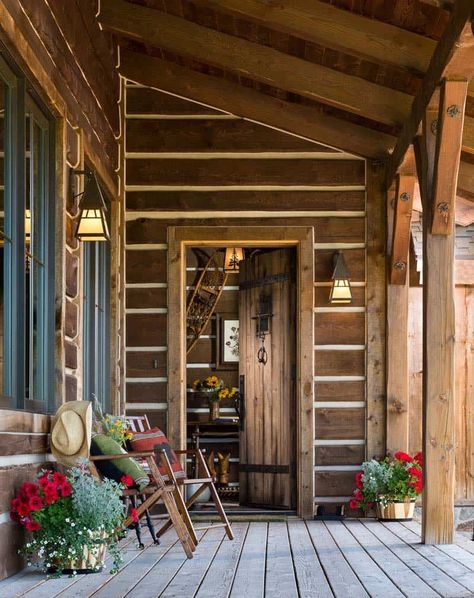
x=341 y=286
x=233 y=257
x=92 y=224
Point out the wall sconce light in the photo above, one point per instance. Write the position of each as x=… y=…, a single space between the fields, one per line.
x=92 y=225
x=341 y=285
x=233 y=257
x=27 y=225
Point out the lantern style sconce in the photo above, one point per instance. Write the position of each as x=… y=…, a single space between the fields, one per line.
x=341 y=285
x=27 y=225
x=92 y=224
x=233 y=257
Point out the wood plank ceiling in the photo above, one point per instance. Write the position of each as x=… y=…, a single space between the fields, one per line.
x=348 y=73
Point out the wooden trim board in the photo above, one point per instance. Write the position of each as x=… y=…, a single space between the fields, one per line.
x=292 y=236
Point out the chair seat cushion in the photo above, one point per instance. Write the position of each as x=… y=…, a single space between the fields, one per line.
x=154 y=440
x=116 y=469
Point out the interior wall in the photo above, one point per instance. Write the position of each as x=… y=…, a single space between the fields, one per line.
x=464 y=377
x=206 y=168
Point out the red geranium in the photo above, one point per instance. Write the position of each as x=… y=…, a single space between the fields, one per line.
x=35 y=503
x=51 y=497
x=65 y=488
x=32 y=525
x=44 y=480
x=358 y=495
x=29 y=489
x=16 y=502
x=419 y=459
x=59 y=478
x=127 y=480
x=134 y=515
x=415 y=472
x=353 y=504
x=401 y=456
x=358 y=479
x=23 y=510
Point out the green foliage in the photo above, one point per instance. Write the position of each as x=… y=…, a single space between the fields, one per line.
x=89 y=517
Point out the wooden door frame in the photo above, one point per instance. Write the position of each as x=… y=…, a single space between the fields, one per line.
x=301 y=237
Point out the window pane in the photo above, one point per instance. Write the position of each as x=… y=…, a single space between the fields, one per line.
x=35 y=206
x=4 y=98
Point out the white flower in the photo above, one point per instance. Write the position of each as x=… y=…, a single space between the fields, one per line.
x=73 y=524
x=67 y=520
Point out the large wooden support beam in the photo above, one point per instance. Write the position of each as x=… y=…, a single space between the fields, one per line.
x=332 y=27
x=438 y=355
x=403 y=206
x=448 y=152
x=255 y=61
x=255 y=106
x=376 y=306
x=453 y=58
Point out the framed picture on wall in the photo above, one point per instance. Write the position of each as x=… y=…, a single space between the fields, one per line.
x=227 y=342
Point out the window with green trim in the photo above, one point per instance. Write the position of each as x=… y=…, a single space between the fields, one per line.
x=96 y=355
x=27 y=286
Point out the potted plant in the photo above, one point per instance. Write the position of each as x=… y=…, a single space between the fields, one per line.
x=72 y=520
x=391 y=485
x=216 y=391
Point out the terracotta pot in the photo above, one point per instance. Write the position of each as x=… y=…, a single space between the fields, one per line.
x=396 y=511
x=214 y=410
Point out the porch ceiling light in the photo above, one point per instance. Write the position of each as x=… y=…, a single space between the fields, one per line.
x=92 y=225
x=341 y=285
x=233 y=257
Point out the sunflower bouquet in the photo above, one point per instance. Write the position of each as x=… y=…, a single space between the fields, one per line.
x=215 y=389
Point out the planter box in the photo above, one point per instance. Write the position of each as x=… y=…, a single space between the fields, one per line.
x=396 y=511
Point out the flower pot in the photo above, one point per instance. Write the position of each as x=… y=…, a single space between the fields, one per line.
x=396 y=511
x=91 y=560
x=214 y=410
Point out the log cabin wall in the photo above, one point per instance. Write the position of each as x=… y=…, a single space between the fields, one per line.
x=187 y=164
x=69 y=65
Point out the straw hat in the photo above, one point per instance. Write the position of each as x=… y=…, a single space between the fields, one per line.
x=71 y=432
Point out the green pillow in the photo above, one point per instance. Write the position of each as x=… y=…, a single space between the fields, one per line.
x=116 y=468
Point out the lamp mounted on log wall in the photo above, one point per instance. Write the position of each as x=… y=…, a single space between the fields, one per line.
x=92 y=225
x=341 y=284
x=233 y=257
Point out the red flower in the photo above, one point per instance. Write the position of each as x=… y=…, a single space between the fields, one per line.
x=353 y=504
x=370 y=505
x=127 y=480
x=35 y=503
x=23 y=510
x=358 y=479
x=58 y=478
x=358 y=495
x=16 y=502
x=419 y=459
x=65 y=488
x=415 y=472
x=44 y=481
x=14 y=516
x=401 y=456
x=29 y=489
x=51 y=496
x=32 y=525
x=134 y=515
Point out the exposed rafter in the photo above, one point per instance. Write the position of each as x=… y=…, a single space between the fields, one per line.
x=248 y=103
x=332 y=27
x=453 y=58
x=258 y=62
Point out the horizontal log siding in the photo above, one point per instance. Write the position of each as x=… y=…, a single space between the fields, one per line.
x=165 y=189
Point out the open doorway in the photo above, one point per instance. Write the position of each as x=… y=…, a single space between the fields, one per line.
x=245 y=342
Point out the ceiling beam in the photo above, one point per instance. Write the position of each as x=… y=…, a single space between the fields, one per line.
x=332 y=27
x=255 y=61
x=253 y=105
x=453 y=58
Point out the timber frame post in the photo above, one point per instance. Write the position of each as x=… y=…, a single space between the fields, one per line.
x=399 y=211
x=301 y=237
x=434 y=154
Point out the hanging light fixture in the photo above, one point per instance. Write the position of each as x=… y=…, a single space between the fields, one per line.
x=341 y=284
x=233 y=257
x=92 y=225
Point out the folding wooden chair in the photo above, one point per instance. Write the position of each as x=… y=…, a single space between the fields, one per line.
x=159 y=489
x=204 y=479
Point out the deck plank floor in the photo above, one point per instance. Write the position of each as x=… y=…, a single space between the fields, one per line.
x=293 y=559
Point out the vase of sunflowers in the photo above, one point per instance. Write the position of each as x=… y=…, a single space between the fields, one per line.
x=216 y=391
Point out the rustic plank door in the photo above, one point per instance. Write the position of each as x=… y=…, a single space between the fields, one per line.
x=267 y=438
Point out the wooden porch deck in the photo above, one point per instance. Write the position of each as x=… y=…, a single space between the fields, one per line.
x=347 y=559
